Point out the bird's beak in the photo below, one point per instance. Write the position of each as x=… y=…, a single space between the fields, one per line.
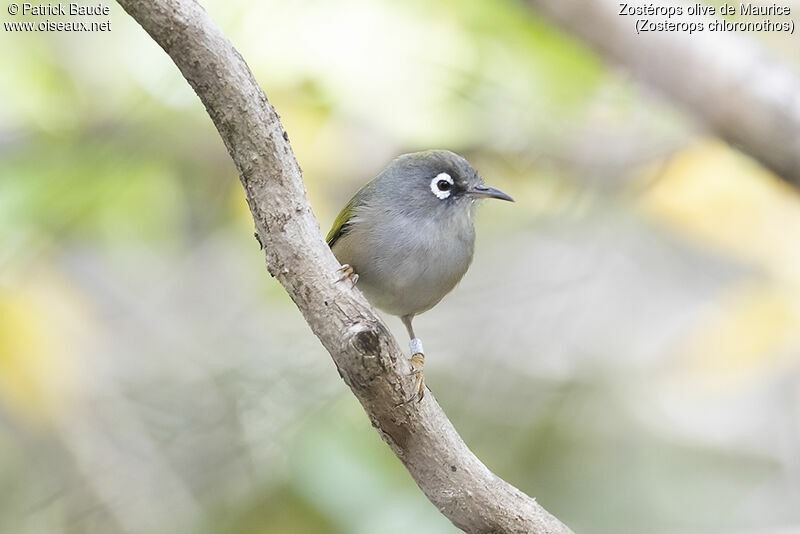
x=484 y=191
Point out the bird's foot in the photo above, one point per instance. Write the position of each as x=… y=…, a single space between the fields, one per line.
x=346 y=272
x=417 y=369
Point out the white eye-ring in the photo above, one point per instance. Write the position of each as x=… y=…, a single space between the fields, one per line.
x=441 y=185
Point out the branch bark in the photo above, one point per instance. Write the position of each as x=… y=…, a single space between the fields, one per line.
x=367 y=356
x=733 y=85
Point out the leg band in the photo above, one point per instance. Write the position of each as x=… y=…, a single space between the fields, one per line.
x=416 y=346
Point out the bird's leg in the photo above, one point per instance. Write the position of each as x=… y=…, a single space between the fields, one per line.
x=346 y=271
x=417 y=359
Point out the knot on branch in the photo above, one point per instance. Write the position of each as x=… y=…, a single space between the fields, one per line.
x=370 y=341
x=367 y=342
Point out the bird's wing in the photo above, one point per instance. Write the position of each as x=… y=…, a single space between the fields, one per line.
x=343 y=221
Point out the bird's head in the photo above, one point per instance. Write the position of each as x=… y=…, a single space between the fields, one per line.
x=436 y=183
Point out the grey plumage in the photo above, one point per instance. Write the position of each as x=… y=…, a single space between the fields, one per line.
x=409 y=246
x=407 y=237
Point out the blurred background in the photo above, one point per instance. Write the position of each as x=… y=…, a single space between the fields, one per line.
x=628 y=347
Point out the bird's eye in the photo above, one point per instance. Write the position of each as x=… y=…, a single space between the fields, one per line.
x=441 y=185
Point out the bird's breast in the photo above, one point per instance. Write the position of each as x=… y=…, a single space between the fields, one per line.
x=407 y=267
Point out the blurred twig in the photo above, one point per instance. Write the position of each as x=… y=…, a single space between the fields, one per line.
x=367 y=356
x=730 y=83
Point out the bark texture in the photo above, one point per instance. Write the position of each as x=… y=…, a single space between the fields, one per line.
x=727 y=80
x=367 y=356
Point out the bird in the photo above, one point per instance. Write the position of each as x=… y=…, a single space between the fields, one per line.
x=407 y=237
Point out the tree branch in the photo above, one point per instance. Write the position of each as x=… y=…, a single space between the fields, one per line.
x=731 y=83
x=367 y=356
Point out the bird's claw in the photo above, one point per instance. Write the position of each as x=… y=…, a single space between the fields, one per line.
x=417 y=365
x=417 y=369
x=346 y=271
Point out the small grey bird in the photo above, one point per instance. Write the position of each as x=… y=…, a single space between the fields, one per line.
x=407 y=237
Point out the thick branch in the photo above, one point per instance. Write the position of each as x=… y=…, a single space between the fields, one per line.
x=734 y=86
x=367 y=356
